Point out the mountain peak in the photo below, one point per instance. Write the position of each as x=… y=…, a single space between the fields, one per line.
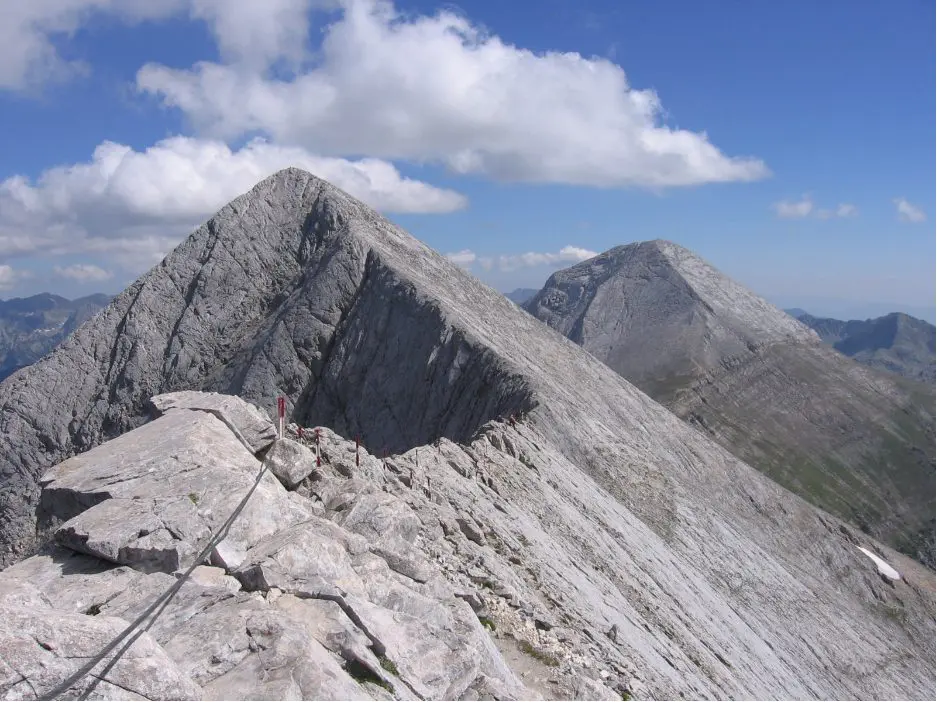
x=588 y=486
x=658 y=281
x=760 y=382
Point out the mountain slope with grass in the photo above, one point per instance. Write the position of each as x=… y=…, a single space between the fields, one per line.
x=857 y=442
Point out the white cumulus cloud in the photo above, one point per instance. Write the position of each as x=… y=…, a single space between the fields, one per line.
x=485 y=107
x=842 y=210
x=464 y=258
x=83 y=273
x=512 y=262
x=908 y=212
x=11 y=277
x=794 y=210
x=28 y=57
x=568 y=254
x=136 y=205
x=805 y=207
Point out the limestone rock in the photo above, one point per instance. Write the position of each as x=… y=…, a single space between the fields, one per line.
x=152 y=497
x=248 y=422
x=438 y=647
x=208 y=576
x=290 y=461
x=42 y=646
x=471 y=530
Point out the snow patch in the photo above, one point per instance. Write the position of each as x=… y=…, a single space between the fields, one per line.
x=883 y=567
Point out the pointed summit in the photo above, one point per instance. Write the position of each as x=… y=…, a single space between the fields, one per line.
x=629 y=303
x=598 y=503
x=853 y=441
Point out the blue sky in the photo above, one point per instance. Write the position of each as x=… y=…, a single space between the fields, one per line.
x=813 y=185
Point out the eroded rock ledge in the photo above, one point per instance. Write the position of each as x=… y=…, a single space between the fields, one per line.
x=335 y=590
x=485 y=570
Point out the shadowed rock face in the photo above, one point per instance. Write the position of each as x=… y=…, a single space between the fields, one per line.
x=294 y=288
x=853 y=441
x=599 y=506
x=896 y=342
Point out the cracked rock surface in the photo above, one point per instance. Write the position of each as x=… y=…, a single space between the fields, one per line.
x=592 y=507
x=379 y=592
x=311 y=611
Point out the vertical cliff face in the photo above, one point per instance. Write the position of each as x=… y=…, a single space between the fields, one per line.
x=851 y=440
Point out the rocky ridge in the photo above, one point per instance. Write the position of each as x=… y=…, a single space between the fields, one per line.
x=854 y=441
x=664 y=552
x=897 y=342
x=455 y=571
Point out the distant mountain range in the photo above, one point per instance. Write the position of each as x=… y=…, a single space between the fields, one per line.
x=30 y=327
x=521 y=295
x=895 y=342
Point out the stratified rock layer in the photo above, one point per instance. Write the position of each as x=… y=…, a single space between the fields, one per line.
x=854 y=441
x=598 y=509
x=491 y=569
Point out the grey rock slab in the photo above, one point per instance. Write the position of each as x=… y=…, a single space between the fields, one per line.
x=380 y=517
x=304 y=558
x=42 y=647
x=565 y=548
x=471 y=530
x=151 y=498
x=390 y=527
x=290 y=461
x=291 y=666
x=248 y=422
x=239 y=647
x=438 y=646
x=208 y=576
x=72 y=581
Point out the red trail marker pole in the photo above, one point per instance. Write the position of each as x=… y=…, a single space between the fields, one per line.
x=318 y=456
x=281 y=412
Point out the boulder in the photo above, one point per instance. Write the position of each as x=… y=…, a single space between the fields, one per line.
x=391 y=528
x=290 y=462
x=152 y=497
x=249 y=423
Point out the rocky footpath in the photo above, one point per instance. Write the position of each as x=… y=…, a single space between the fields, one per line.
x=300 y=600
x=491 y=569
